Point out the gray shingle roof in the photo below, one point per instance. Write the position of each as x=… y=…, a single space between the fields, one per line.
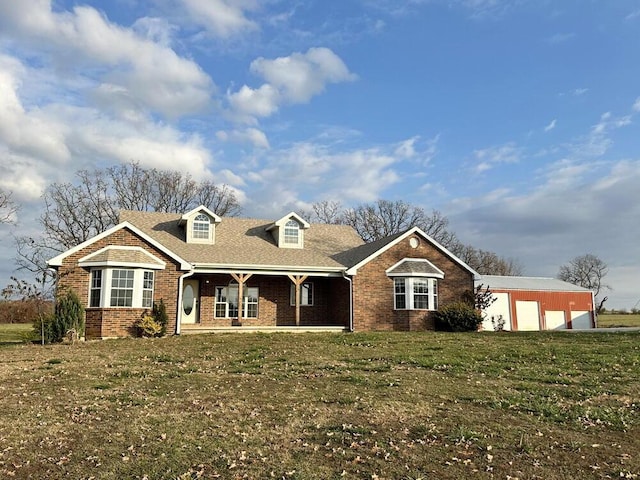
x=528 y=283
x=415 y=267
x=245 y=241
x=121 y=255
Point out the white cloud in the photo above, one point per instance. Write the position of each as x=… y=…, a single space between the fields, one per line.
x=580 y=91
x=84 y=40
x=289 y=80
x=586 y=211
x=222 y=18
x=250 y=135
x=488 y=158
x=312 y=171
x=249 y=102
x=300 y=76
x=24 y=132
x=636 y=105
x=551 y=126
x=416 y=149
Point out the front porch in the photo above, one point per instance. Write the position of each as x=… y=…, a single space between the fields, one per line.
x=270 y=302
x=199 y=329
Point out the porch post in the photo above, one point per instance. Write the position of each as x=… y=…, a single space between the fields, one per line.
x=241 y=278
x=297 y=281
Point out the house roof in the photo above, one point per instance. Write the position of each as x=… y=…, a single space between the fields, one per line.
x=415 y=267
x=543 y=284
x=246 y=242
x=360 y=256
x=118 y=255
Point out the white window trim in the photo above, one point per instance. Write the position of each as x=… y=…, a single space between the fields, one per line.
x=245 y=301
x=432 y=296
x=105 y=290
x=210 y=240
x=292 y=295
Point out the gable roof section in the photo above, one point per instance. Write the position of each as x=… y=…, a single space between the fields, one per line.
x=414 y=267
x=368 y=252
x=57 y=260
x=245 y=243
x=539 y=284
x=116 y=255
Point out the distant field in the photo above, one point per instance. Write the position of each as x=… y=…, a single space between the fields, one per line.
x=14 y=332
x=615 y=320
x=325 y=406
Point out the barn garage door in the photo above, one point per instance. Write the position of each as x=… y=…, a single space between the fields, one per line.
x=528 y=315
x=555 y=320
x=580 y=320
x=497 y=308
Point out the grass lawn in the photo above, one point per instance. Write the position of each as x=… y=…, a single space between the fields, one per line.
x=616 y=320
x=15 y=333
x=324 y=406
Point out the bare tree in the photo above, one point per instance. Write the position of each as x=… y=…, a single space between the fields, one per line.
x=325 y=211
x=587 y=271
x=7 y=207
x=218 y=198
x=382 y=218
x=485 y=262
x=75 y=212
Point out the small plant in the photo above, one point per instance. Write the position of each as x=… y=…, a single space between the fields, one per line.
x=159 y=313
x=458 y=317
x=147 y=326
x=498 y=323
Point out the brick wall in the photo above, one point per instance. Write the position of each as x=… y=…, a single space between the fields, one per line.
x=373 y=289
x=112 y=322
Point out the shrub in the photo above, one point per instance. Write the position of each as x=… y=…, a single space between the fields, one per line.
x=159 y=314
x=68 y=316
x=147 y=326
x=457 y=317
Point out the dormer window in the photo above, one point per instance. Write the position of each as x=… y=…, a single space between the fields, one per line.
x=201 y=227
x=288 y=232
x=292 y=233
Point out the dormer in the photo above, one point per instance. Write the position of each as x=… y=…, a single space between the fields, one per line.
x=200 y=225
x=288 y=232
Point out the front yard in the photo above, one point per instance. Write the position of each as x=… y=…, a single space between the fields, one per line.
x=323 y=406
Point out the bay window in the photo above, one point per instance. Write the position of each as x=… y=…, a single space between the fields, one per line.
x=121 y=287
x=415 y=293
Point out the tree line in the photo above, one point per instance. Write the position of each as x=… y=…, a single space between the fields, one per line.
x=74 y=212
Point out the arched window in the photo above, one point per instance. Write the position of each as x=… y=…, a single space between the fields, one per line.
x=201 y=227
x=291 y=233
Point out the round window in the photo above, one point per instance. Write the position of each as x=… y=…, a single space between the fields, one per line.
x=414 y=242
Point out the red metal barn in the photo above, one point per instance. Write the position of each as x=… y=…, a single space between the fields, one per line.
x=534 y=303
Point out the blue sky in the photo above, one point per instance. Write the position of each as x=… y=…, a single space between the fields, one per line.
x=516 y=119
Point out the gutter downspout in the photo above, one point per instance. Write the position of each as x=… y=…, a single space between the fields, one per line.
x=594 y=315
x=348 y=279
x=179 y=305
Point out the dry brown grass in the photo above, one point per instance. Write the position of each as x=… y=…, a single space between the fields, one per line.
x=316 y=406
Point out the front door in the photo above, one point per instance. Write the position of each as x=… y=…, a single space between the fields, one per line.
x=190 y=297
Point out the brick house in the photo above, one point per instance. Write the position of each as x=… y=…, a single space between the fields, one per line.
x=289 y=274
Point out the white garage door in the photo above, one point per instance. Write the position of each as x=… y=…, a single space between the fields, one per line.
x=528 y=315
x=555 y=320
x=497 y=308
x=580 y=320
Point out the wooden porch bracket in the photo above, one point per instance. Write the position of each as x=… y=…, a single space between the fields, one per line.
x=241 y=278
x=297 y=281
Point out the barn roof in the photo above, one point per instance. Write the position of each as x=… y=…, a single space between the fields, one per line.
x=544 y=284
